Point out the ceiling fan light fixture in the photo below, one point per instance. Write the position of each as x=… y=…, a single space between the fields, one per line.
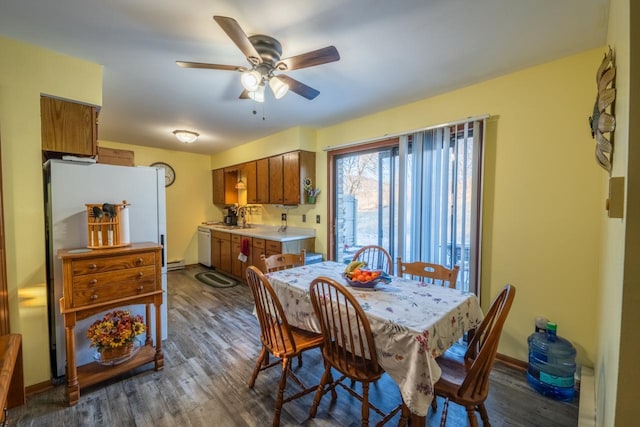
x=278 y=87
x=258 y=94
x=251 y=80
x=186 y=136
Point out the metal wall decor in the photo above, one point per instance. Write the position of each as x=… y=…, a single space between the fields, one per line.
x=602 y=121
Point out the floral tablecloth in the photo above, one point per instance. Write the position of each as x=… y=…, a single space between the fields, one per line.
x=412 y=322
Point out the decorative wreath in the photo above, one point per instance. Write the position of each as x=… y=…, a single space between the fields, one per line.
x=602 y=121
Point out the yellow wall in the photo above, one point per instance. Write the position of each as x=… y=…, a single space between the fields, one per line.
x=189 y=198
x=543 y=199
x=26 y=71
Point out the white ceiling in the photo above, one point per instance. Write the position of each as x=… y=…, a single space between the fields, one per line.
x=392 y=52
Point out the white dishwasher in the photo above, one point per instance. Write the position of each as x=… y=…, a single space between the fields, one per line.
x=204 y=246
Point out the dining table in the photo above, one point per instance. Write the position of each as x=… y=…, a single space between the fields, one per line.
x=412 y=323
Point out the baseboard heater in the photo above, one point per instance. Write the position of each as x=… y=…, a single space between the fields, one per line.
x=175 y=265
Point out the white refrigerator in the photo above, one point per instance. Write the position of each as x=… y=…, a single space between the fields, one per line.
x=69 y=185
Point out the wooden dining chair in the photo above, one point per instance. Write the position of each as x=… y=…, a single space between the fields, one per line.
x=281 y=261
x=376 y=257
x=429 y=273
x=348 y=347
x=465 y=380
x=278 y=338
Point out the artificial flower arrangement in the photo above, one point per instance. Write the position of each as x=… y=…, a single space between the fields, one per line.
x=116 y=329
x=308 y=187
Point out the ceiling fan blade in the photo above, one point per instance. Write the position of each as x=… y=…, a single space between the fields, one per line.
x=235 y=33
x=185 y=64
x=299 y=88
x=244 y=95
x=309 y=59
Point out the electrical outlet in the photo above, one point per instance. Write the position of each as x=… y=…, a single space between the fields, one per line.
x=304 y=218
x=317 y=219
x=283 y=216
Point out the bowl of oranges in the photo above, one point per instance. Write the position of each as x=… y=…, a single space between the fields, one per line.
x=359 y=277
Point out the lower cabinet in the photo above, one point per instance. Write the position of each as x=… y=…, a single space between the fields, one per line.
x=238 y=267
x=225 y=248
x=274 y=247
x=221 y=251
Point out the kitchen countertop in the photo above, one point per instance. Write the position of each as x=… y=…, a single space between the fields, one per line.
x=268 y=232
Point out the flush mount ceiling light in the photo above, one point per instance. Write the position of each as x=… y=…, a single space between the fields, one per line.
x=186 y=136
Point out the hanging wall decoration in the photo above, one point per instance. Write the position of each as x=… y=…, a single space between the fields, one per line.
x=603 y=121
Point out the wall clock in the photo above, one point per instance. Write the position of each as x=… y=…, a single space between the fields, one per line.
x=602 y=121
x=169 y=173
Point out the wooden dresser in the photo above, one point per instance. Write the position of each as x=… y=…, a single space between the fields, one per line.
x=95 y=281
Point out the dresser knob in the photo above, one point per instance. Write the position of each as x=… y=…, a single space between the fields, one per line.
x=94 y=297
x=140 y=274
x=139 y=261
x=140 y=288
x=93 y=282
x=93 y=266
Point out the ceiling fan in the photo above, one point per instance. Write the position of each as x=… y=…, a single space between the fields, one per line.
x=263 y=53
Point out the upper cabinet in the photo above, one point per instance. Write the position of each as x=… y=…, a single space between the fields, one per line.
x=286 y=172
x=262 y=181
x=224 y=186
x=68 y=127
x=276 y=190
x=274 y=180
x=257 y=176
x=296 y=167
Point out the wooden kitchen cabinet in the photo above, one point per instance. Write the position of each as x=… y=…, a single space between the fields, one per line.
x=68 y=127
x=238 y=267
x=286 y=173
x=262 y=181
x=258 y=248
x=221 y=251
x=273 y=247
x=98 y=280
x=257 y=175
x=276 y=194
x=224 y=186
x=249 y=172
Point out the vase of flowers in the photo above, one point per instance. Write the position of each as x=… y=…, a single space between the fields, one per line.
x=312 y=193
x=114 y=336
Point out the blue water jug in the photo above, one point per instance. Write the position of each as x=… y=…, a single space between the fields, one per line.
x=552 y=364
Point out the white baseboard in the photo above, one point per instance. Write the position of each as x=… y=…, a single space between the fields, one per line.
x=175 y=265
x=587 y=407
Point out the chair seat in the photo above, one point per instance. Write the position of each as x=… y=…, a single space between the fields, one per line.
x=453 y=374
x=304 y=340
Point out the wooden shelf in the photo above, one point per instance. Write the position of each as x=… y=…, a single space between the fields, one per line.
x=93 y=373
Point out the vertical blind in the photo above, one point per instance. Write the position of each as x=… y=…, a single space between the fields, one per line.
x=440 y=216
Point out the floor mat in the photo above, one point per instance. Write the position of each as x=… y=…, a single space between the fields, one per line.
x=216 y=280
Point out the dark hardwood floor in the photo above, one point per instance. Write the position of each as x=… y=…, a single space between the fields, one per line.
x=209 y=355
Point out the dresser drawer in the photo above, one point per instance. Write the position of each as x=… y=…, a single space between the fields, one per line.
x=273 y=246
x=122 y=262
x=258 y=243
x=96 y=295
x=92 y=281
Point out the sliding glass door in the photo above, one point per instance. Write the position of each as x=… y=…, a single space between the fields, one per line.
x=365 y=193
x=418 y=196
